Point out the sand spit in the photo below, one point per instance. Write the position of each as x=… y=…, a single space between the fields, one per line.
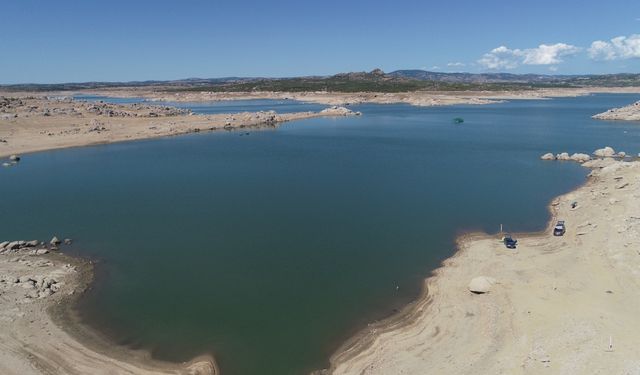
x=559 y=305
x=628 y=113
x=418 y=98
x=36 y=123
x=38 y=333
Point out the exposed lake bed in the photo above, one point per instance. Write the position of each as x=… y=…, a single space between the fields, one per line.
x=290 y=240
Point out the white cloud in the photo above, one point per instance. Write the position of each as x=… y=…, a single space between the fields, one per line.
x=456 y=64
x=618 y=48
x=506 y=58
x=435 y=67
x=553 y=68
x=500 y=58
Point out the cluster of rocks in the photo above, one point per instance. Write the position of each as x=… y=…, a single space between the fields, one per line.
x=606 y=152
x=96 y=126
x=38 y=286
x=340 y=111
x=54 y=106
x=35 y=247
x=13 y=160
x=269 y=118
x=7 y=103
x=134 y=110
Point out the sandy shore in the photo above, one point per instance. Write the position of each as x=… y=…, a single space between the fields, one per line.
x=419 y=98
x=557 y=304
x=39 y=333
x=35 y=123
x=627 y=113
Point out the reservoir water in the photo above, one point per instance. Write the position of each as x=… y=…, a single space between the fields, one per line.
x=270 y=249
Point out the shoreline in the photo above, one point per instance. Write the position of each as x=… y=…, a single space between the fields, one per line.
x=426 y=324
x=63 y=123
x=42 y=334
x=417 y=98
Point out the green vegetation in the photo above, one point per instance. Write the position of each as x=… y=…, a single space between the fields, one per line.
x=375 y=81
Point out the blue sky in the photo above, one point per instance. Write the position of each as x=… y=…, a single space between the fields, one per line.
x=90 y=40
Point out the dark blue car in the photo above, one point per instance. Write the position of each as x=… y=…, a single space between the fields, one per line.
x=509 y=242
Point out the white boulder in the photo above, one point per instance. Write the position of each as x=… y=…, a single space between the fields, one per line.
x=580 y=158
x=548 y=156
x=563 y=156
x=606 y=152
x=481 y=284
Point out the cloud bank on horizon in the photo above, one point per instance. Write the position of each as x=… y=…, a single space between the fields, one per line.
x=505 y=58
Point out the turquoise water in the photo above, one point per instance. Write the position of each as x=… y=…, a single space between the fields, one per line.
x=269 y=250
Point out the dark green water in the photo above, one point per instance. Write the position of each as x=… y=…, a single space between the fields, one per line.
x=269 y=250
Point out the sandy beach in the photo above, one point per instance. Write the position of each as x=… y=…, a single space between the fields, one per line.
x=559 y=305
x=35 y=123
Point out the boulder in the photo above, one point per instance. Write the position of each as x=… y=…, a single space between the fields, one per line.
x=481 y=284
x=606 y=152
x=548 y=156
x=622 y=154
x=67 y=241
x=33 y=243
x=55 y=241
x=3 y=244
x=14 y=158
x=42 y=251
x=563 y=156
x=580 y=158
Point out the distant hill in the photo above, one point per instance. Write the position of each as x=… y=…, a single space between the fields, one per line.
x=373 y=81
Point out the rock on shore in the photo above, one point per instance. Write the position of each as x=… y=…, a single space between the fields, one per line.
x=628 y=113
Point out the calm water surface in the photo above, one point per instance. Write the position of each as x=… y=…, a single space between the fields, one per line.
x=230 y=106
x=270 y=249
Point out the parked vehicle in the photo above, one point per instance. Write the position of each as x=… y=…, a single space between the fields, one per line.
x=509 y=242
x=559 y=229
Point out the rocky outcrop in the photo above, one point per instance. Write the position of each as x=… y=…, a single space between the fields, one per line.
x=339 y=111
x=628 y=113
x=33 y=247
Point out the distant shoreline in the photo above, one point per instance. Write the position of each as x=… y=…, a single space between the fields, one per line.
x=417 y=98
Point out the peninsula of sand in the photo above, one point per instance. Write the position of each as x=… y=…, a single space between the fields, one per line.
x=31 y=123
x=627 y=113
x=554 y=305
